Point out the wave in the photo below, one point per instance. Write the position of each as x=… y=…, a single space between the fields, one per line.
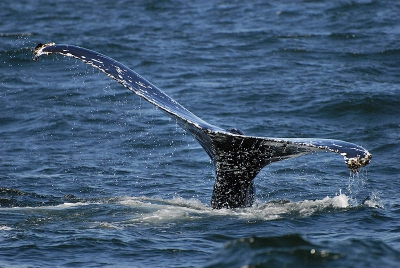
x=361 y=105
x=14 y=198
x=284 y=251
x=155 y=210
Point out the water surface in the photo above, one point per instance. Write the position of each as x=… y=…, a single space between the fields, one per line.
x=90 y=175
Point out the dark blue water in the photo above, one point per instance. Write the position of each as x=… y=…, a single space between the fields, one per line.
x=93 y=176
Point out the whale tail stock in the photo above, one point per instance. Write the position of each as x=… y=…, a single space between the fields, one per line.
x=237 y=158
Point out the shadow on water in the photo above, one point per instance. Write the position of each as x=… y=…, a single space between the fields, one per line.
x=16 y=198
x=283 y=251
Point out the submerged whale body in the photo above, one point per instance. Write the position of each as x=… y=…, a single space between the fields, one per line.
x=238 y=158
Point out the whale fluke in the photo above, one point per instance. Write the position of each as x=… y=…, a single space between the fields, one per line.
x=238 y=158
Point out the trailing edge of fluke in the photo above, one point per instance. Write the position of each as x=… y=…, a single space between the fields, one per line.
x=238 y=158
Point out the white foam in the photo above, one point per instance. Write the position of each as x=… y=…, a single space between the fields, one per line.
x=157 y=210
x=277 y=210
x=146 y=210
x=5 y=228
x=107 y=225
x=69 y=205
x=374 y=201
x=55 y=207
x=340 y=201
x=63 y=206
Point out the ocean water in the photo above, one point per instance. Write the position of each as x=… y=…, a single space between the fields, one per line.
x=93 y=176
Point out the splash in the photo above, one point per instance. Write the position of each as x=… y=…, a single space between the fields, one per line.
x=358 y=192
x=158 y=211
x=374 y=201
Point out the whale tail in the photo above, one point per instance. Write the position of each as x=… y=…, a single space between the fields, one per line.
x=237 y=158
